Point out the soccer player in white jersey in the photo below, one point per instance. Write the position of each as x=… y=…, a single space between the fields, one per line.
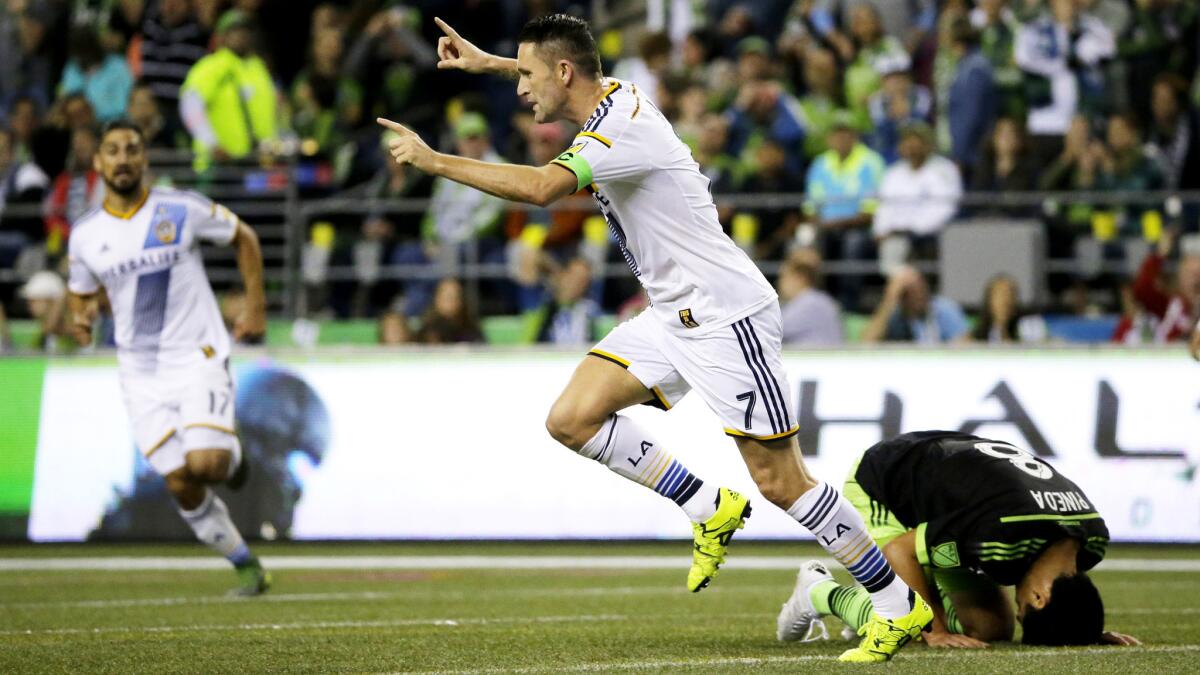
x=714 y=323
x=142 y=247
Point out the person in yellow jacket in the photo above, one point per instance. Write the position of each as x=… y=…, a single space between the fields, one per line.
x=228 y=101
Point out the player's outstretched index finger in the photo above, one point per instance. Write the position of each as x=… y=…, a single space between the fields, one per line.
x=394 y=126
x=445 y=27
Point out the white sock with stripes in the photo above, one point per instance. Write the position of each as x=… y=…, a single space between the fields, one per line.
x=840 y=530
x=213 y=526
x=628 y=450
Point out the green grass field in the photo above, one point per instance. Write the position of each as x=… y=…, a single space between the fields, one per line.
x=359 y=609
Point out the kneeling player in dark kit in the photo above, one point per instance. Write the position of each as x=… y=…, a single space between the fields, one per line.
x=959 y=517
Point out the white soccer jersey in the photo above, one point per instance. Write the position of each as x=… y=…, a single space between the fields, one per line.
x=659 y=209
x=148 y=260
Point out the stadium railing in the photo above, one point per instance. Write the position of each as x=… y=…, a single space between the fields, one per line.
x=1118 y=224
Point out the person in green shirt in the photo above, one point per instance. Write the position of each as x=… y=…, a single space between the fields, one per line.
x=872 y=46
x=822 y=101
x=228 y=101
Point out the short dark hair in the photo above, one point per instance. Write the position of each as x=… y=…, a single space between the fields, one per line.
x=963 y=33
x=566 y=37
x=1074 y=615
x=119 y=124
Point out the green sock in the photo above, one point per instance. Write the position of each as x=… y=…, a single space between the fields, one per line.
x=851 y=604
x=952 y=621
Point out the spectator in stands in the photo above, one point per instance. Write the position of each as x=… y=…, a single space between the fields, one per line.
x=1061 y=53
x=74 y=192
x=646 y=70
x=393 y=328
x=461 y=214
x=1066 y=172
x=810 y=315
x=389 y=59
x=895 y=105
x=228 y=101
x=1173 y=307
x=26 y=50
x=692 y=106
x=73 y=112
x=378 y=236
x=763 y=110
x=567 y=315
x=326 y=104
x=536 y=233
x=461 y=222
x=45 y=296
x=722 y=169
x=694 y=55
x=146 y=114
x=843 y=183
x=871 y=47
x=908 y=312
x=908 y=21
x=22 y=185
x=997 y=26
x=1160 y=38
x=1001 y=319
x=822 y=99
x=1121 y=164
x=1174 y=133
x=173 y=40
x=103 y=78
x=1005 y=165
x=449 y=319
x=972 y=98
x=22 y=123
x=772 y=176
x=917 y=197
x=754 y=59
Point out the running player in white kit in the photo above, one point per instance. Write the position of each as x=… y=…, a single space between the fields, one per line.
x=143 y=248
x=714 y=324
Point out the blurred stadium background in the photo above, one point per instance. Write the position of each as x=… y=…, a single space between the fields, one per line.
x=980 y=215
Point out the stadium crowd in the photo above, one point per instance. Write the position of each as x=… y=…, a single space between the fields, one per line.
x=883 y=120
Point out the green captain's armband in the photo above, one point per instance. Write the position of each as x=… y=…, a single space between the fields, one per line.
x=576 y=164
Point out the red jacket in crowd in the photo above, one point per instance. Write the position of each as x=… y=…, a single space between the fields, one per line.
x=1172 y=311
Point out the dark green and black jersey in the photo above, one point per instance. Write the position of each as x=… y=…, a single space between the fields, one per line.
x=979 y=503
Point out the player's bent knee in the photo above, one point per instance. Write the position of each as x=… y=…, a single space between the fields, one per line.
x=776 y=490
x=772 y=483
x=573 y=424
x=209 y=465
x=184 y=489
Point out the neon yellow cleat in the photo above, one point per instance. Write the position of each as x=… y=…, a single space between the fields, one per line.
x=882 y=638
x=252 y=578
x=713 y=535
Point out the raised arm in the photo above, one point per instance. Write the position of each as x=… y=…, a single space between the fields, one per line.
x=455 y=52
x=539 y=185
x=252 y=322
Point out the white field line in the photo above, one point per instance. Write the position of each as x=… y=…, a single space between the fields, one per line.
x=320 y=625
x=907 y=655
x=480 y=562
x=446 y=595
x=360 y=596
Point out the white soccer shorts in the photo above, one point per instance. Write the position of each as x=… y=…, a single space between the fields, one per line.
x=184 y=411
x=737 y=369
